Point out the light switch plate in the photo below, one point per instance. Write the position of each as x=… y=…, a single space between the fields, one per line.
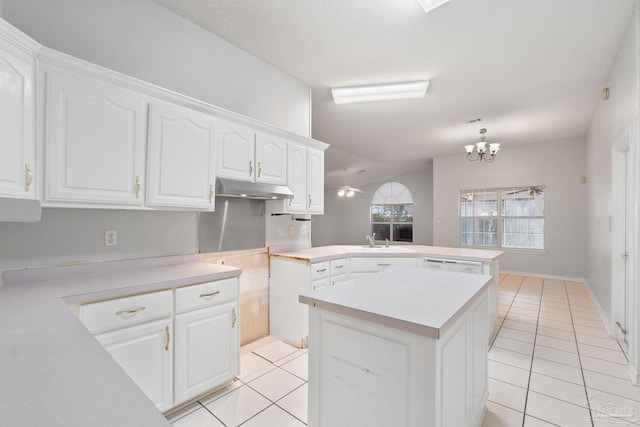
x=110 y=238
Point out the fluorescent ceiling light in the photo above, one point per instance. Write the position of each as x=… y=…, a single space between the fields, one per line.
x=383 y=92
x=428 y=5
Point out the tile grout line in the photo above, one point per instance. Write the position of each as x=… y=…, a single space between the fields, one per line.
x=586 y=391
x=533 y=352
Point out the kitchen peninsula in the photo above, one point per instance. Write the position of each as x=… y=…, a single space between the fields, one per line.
x=406 y=347
x=297 y=272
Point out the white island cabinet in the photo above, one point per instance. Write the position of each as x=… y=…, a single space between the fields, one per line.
x=406 y=348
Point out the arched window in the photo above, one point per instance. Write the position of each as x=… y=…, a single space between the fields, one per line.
x=392 y=213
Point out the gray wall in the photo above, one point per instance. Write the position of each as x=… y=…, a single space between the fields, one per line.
x=142 y=39
x=612 y=117
x=558 y=165
x=347 y=221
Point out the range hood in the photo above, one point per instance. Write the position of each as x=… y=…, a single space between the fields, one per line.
x=251 y=190
x=19 y=210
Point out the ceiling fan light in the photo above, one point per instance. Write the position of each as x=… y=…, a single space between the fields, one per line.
x=341 y=193
x=429 y=5
x=382 y=92
x=350 y=193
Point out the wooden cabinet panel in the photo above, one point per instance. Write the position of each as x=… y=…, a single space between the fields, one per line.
x=17 y=133
x=145 y=353
x=95 y=141
x=181 y=158
x=235 y=151
x=206 y=350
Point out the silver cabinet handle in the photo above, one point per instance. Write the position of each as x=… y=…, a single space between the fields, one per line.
x=250 y=168
x=339 y=266
x=29 y=181
x=309 y=201
x=132 y=311
x=384 y=265
x=259 y=169
x=322 y=270
x=211 y=193
x=209 y=294
x=234 y=318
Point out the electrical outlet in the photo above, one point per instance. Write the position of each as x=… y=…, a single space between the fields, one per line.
x=303 y=230
x=110 y=238
x=292 y=231
x=281 y=231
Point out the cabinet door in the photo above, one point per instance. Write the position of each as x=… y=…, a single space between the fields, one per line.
x=271 y=160
x=146 y=355
x=95 y=141
x=207 y=350
x=181 y=165
x=297 y=178
x=17 y=132
x=235 y=152
x=315 y=181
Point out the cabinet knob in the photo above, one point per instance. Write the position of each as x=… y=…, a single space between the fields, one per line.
x=29 y=180
x=138 y=187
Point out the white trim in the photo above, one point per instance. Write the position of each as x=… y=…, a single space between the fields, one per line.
x=12 y=35
x=545 y=276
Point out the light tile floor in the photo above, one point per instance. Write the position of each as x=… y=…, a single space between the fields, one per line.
x=551 y=364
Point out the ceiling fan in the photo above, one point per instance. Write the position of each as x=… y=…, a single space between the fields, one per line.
x=346 y=190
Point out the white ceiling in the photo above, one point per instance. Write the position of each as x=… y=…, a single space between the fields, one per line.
x=531 y=69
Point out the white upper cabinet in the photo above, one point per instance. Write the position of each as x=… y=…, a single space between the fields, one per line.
x=271 y=160
x=181 y=157
x=305 y=178
x=297 y=179
x=315 y=181
x=95 y=136
x=236 y=149
x=17 y=112
x=246 y=155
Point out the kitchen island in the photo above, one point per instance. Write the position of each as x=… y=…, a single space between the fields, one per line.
x=296 y=272
x=405 y=347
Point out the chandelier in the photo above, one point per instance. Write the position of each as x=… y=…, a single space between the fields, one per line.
x=482 y=153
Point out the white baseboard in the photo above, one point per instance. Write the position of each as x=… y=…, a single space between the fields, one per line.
x=544 y=276
x=603 y=317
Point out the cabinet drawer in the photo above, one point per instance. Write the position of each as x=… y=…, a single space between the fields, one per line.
x=320 y=270
x=119 y=313
x=206 y=294
x=379 y=264
x=338 y=266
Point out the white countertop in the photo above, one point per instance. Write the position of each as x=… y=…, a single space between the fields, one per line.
x=324 y=253
x=424 y=302
x=53 y=371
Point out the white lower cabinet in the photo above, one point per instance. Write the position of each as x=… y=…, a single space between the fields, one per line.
x=207 y=339
x=172 y=368
x=288 y=319
x=368 y=374
x=145 y=353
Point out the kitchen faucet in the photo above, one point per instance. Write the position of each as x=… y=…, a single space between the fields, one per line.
x=372 y=240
